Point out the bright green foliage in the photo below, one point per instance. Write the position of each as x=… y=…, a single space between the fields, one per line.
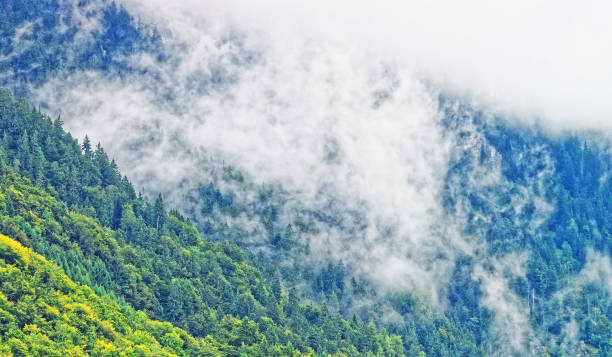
x=91 y=255
x=44 y=313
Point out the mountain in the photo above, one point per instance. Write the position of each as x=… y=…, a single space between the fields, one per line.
x=292 y=204
x=70 y=204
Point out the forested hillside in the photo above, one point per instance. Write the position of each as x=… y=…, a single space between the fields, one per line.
x=42 y=39
x=70 y=204
x=548 y=204
x=300 y=199
x=44 y=313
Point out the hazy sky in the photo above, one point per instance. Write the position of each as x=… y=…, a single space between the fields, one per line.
x=548 y=59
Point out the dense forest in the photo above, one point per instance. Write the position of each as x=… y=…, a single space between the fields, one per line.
x=69 y=203
x=41 y=39
x=90 y=266
x=569 y=174
x=44 y=313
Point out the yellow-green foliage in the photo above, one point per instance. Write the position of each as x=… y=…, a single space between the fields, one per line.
x=44 y=313
x=76 y=319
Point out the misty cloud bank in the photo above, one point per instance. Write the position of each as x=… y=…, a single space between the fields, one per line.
x=326 y=124
x=348 y=122
x=545 y=59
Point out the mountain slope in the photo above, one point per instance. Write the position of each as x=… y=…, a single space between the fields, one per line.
x=516 y=263
x=43 y=39
x=44 y=313
x=102 y=235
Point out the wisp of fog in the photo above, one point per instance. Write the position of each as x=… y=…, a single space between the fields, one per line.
x=338 y=103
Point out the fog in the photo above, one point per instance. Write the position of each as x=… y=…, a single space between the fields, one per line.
x=338 y=104
x=535 y=59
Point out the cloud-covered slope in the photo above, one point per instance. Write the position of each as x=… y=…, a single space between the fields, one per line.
x=373 y=163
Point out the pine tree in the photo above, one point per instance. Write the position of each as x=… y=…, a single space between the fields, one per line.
x=159 y=213
x=86 y=147
x=23 y=151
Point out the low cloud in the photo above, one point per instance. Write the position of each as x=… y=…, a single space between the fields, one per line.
x=337 y=104
x=542 y=59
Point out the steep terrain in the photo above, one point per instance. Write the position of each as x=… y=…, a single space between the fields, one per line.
x=404 y=220
x=44 y=313
x=92 y=224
